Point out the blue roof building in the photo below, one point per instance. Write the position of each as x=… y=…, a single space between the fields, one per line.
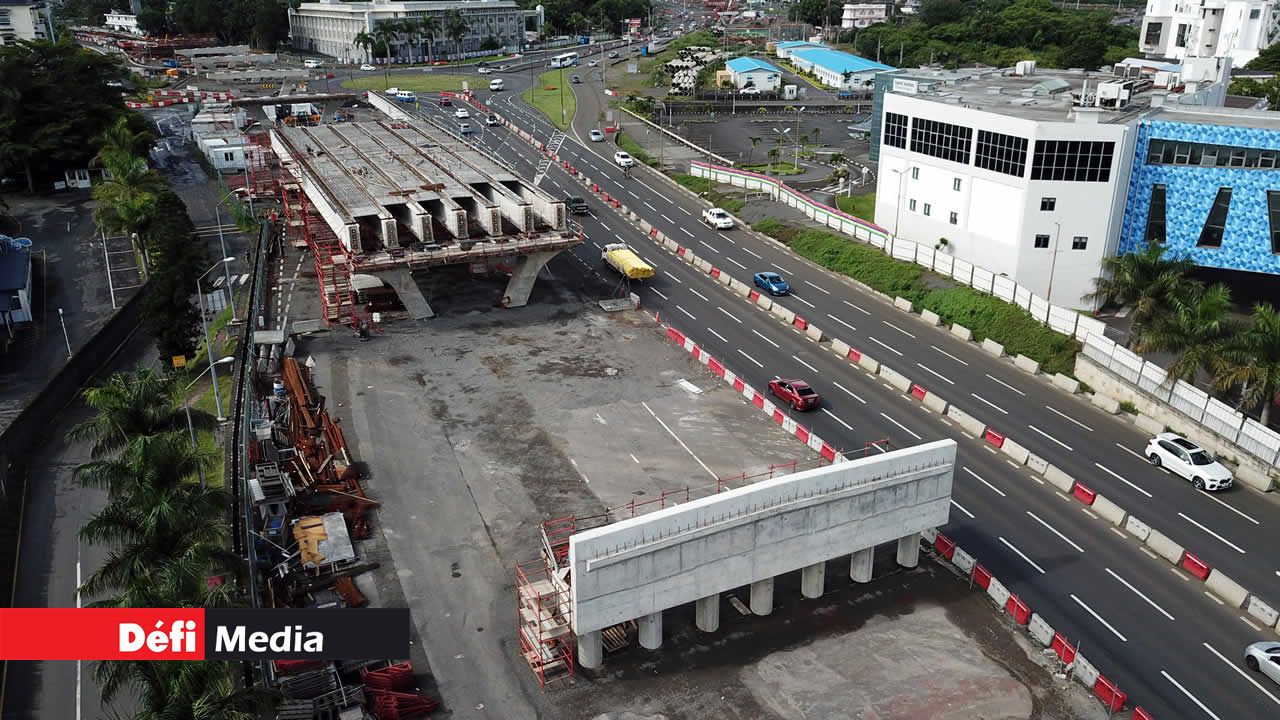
x=836 y=69
x=786 y=48
x=746 y=64
x=753 y=73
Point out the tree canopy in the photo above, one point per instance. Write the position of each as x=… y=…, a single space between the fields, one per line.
x=1268 y=59
x=579 y=16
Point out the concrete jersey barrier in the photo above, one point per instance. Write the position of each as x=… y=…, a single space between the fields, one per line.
x=1230 y=591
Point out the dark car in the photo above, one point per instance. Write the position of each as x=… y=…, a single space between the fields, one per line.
x=446 y=102
x=575 y=79
x=772 y=283
x=796 y=393
x=576 y=205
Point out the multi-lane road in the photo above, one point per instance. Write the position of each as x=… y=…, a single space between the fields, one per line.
x=1174 y=648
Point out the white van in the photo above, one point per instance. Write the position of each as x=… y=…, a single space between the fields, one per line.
x=406 y=96
x=495 y=85
x=311 y=64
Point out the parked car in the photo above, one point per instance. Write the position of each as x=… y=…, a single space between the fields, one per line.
x=772 y=283
x=461 y=114
x=1185 y=458
x=367 y=67
x=623 y=159
x=749 y=91
x=491 y=120
x=717 y=218
x=796 y=393
x=597 y=136
x=311 y=63
x=1264 y=657
x=576 y=205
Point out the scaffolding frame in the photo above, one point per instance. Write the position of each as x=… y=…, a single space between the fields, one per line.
x=544 y=606
x=305 y=227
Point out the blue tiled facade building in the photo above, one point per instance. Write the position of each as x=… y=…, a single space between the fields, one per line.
x=1207 y=185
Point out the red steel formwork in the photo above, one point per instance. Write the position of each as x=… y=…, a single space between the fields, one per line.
x=261 y=164
x=305 y=227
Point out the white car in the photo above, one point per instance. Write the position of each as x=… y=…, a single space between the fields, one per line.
x=1185 y=458
x=1264 y=657
x=484 y=71
x=461 y=114
x=717 y=218
x=597 y=136
x=367 y=67
x=491 y=120
x=623 y=159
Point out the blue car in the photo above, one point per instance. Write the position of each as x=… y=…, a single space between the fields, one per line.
x=772 y=283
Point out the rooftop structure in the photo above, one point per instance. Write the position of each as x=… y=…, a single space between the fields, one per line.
x=15 y=281
x=865 y=14
x=837 y=69
x=787 y=47
x=745 y=64
x=24 y=20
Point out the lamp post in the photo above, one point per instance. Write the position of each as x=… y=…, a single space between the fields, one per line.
x=797 y=137
x=208 y=342
x=186 y=406
x=248 y=191
x=226 y=268
x=1053 y=261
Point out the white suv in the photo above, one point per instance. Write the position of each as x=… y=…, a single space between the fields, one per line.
x=1185 y=458
x=623 y=159
x=717 y=218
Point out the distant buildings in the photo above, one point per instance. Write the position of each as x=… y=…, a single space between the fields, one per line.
x=860 y=15
x=125 y=22
x=24 y=20
x=15 y=281
x=752 y=73
x=1239 y=29
x=784 y=49
x=836 y=69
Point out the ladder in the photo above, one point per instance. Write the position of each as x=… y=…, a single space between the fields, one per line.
x=553 y=147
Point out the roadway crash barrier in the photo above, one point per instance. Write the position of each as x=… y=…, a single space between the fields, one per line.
x=1065 y=651
x=1084 y=672
x=1137 y=528
x=1109 y=511
x=840 y=348
x=800 y=322
x=1227 y=590
x=963 y=560
x=993 y=438
x=930 y=535
x=894 y=378
x=981 y=576
x=998 y=593
x=764 y=302
x=1059 y=479
x=993 y=347
x=1161 y=545
x=902 y=304
x=1016 y=452
x=1195 y=566
x=866 y=362
x=1082 y=493
x=783 y=314
x=1019 y=610
x=813 y=333
x=1262 y=612
x=967 y=422
x=961 y=332
x=1110 y=695
x=1025 y=363
x=945 y=546
x=1069 y=384
x=1040 y=630
x=935 y=403
x=1037 y=463
x=930 y=317
x=918 y=392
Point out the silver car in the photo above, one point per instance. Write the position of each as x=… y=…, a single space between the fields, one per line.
x=1264 y=657
x=1185 y=458
x=597 y=136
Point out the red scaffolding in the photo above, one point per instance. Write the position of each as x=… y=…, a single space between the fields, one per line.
x=306 y=228
x=546 y=623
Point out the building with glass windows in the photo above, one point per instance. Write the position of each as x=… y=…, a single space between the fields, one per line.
x=1238 y=29
x=1206 y=184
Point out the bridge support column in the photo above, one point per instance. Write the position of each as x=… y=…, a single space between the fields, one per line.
x=812 y=580
x=762 y=596
x=590 y=650
x=860 y=565
x=651 y=631
x=523 y=276
x=909 y=550
x=707 y=613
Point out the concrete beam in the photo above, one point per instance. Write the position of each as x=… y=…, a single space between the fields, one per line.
x=707 y=613
x=762 y=596
x=812 y=580
x=860 y=565
x=651 y=631
x=909 y=550
x=523 y=276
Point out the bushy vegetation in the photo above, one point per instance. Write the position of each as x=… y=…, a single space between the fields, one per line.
x=859 y=206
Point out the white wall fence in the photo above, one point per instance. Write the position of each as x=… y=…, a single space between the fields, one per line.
x=1064 y=320
x=1248 y=435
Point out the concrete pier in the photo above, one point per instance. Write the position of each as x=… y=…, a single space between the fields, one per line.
x=909 y=550
x=707 y=613
x=590 y=649
x=812 y=580
x=762 y=596
x=523 y=276
x=860 y=565
x=651 y=631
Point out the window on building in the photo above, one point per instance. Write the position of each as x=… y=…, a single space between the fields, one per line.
x=928 y=209
x=1254 y=13
x=1273 y=215
x=955 y=184
x=1155 y=216
x=1073 y=160
x=915 y=173
x=1048 y=204
x=1079 y=242
x=1042 y=242
x=1170 y=152
x=912 y=205
x=1216 y=222
x=895 y=130
x=1181 y=39
x=941 y=140
x=1001 y=153
x=1152 y=35
x=955 y=218
x=228 y=157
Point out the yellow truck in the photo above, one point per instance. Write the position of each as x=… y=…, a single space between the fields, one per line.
x=622 y=258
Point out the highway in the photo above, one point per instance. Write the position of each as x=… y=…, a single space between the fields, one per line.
x=1151 y=628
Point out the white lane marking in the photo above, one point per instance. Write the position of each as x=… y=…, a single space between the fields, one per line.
x=993 y=377
x=953 y=357
x=1225 y=541
x=757 y=362
x=677 y=437
x=958 y=505
x=735 y=262
x=706 y=244
x=634 y=458
x=1250 y=623
x=713 y=332
x=1132 y=452
x=1193 y=698
x=1066 y=417
x=754 y=255
x=904 y=429
x=815 y=287
x=1098 y=617
x=731 y=315
x=935 y=372
x=635 y=196
x=686 y=232
x=833 y=317
x=1024 y=557
x=855 y=307
x=727 y=238
x=1139 y=593
x=797 y=297
x=664 y=297
x=1223 y=504
x=833 y=417
x=983 y=480
x=895 y=327
x=1242 y=673
x=686 y=212
x=811 y=368
x=762 y=337
x=606 y=227
x=695 y=292
x=1068 y=447
x=673 y=277
x=997 y=407
x=864 y=402
x=686 y=312
x=1117 y=476
x=619 y=238
x=1054 y=530
x=664 y=217
x=1207 y=594
x=784 y=270
x=875 y=340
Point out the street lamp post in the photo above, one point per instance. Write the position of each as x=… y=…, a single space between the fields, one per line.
x=208 y=342
x=65 y=336
x=248 y=191
x=186 y=406
x=796 y=164
x=1053 y=261
x=226 y=268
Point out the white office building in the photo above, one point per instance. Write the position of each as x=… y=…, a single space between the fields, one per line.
x=860 y=15
x=23 y=20
x=1240 y=29
x=753 y=73
x=125 y=22
x=330 y=27
x=1009 y=173
x=836 y=69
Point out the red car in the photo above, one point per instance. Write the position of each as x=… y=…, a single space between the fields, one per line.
x=796 y=393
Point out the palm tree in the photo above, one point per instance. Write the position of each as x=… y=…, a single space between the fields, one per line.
x=1146 y=278
x=1194 y=327
x=755 y=140
x=429 y=26
x=119 y=143
x=137 y=404
x=455 y=28
x=189 y=690
x=126 y=199
x=1251 y=361
x=367 y=41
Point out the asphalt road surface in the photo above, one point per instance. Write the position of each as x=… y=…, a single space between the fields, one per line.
x=1151 y=628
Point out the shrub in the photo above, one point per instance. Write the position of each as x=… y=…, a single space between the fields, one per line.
x=861 y=262
x=691 y=183
x=1129 y=407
